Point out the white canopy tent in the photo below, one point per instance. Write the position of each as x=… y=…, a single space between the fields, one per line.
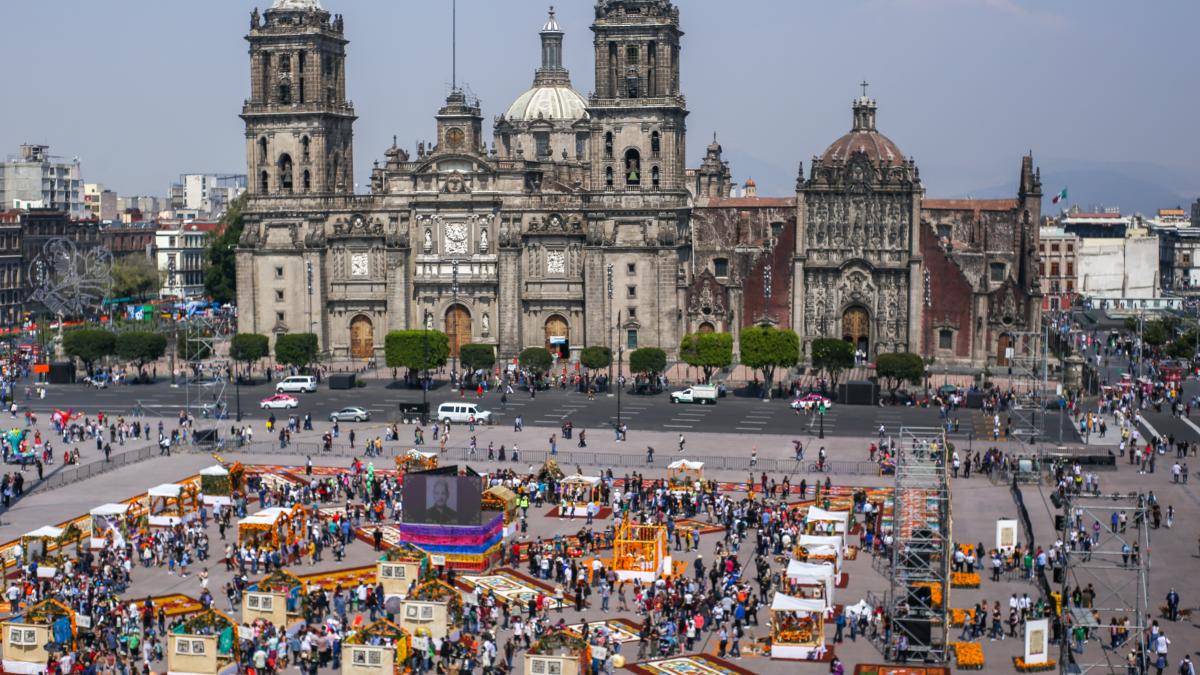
x=265 y=517
x=809 y=574
x=44 y=532
x=840 y=519
x=106 y=520
x=789 y=603
x=823 y=546
x=215 y=470
x=166 y=490
x=686 y=464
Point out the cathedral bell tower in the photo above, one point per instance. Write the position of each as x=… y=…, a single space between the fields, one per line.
x=638 y=128
x=299 y=125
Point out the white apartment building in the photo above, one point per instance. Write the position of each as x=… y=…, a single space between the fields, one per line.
x=36 y=179
x=181 y=258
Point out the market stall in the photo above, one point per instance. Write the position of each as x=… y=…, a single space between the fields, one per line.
x=818 y=521
x=171 y=504
x=812 y=548
x=216 y=489
x=272 y=528
x=37 y=544
x=561 y=652
x=577 y=493
x=431 y=609
x=277 y=598
x=640 y=552
x=205 y=644
x=376 y=648
x=683 y=474
x=499 y=498
x=400 y=568
x=797 y=627
x=811 y=581
x=108 y=525
x=416 y=460
x=28 y=640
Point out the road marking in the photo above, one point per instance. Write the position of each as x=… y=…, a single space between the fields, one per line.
x=748 y=428
x=678 y=426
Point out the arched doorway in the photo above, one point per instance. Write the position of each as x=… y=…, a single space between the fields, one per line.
x=706 y=327
x=558 y=336
x=458 y=327
x=856 y=328
x=362 y=338
x=1003 y=345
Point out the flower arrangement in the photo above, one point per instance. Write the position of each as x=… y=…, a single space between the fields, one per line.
x=1022 y=667
x=958 y=615
x=935 y=591
x=964 y=580
x=792 y=637
x=968 y=655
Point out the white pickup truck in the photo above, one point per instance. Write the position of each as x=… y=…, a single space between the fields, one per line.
x=703 y=394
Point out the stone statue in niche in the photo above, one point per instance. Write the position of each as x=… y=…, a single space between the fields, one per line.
x=483 y=239
x=428 y=320
x=487 y=324
x=428 y=240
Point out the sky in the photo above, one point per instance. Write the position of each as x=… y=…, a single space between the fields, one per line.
x=1104 y=93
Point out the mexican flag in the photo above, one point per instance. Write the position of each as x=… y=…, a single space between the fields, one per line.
x=1060 y=197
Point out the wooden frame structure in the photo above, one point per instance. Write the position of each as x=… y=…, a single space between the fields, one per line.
x=562 y=652
x=683 y=474
x=26 y=636
x=640 y=552
x=197 y=648
x=171 y=504
x=415 y=460
x=271 y=596
x=797 y=627
x=359 y=657
x=281 y=525
x=431 y=609
x=579 y=491
x=502 y=499
x=399 y=568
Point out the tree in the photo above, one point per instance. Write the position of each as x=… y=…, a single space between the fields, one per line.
x=477 y=357
x=832 y=356
x=141 y=347
x=416 y=349
x=647 y=361
x=248 y=347
x=296 y=349
x=220 y=279
x=195 y=349
x=89 y=345
x=897 y=368
x=767 y=348
x=707 y=351
x=134 y=276
x=1183 y=348
x=595 y=358
x=1155 y=333
x=536 y=359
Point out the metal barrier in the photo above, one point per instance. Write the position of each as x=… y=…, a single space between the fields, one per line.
x=73 y=474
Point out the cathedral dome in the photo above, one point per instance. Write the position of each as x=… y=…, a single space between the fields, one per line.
x=296 y=5
x=863 y=137
x=550 y=102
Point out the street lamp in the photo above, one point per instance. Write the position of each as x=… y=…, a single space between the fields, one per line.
x=425 y=380
x=457 y=328
x=610 y=328
x=620 y=355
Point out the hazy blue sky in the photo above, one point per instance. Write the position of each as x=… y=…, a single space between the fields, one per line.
x=1105 y=93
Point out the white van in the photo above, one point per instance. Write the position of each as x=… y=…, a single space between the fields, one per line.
x=297 y=383
x=703 y=394
x=460 y=412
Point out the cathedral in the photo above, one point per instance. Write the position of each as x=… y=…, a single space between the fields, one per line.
x=578 y=222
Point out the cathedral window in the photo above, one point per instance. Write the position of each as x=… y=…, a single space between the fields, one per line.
x=278 y=272
x=631 y=291
x=633 y=167
x=541 y=140
x=264 y=182
x=278 y=295
x=655 y=144
x=631 y=268
x=304 y=147
x=285 y=63
x=997 y=272
x=307 y=180
x=631 y=341
x=262 y=149
x=285 y=172
x=608 y=145
x=945 y=339
x=580 y=146
x=654 y=178
x=721 y=267
x=608 y=177
x=632 y=312
x=285 y=94
x=265 y=86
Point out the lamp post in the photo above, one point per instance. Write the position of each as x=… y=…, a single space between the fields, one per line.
x=457 y=328
x=610 y=329
x=174 y=323
x=425 y=380
x=237 y=388
x=767 y=280
x=620 y=355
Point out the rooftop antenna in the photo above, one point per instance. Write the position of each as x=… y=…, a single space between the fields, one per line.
x=453 y=45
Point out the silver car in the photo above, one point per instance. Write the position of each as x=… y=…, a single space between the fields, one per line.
x=350 y=414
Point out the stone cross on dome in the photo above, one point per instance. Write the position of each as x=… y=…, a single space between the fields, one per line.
x=864 y=85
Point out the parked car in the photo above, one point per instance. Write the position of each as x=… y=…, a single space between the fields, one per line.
x=204 y=381
x=461 y=412
x=811 y=402
x=704 y=394
x=99 y=380
x=279 y=401
x=350 y=414
x=297 y=383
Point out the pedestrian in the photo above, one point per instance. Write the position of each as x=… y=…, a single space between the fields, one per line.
x=682 y=441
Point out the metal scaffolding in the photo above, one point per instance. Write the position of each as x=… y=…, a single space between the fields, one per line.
x=1114 y=571
x=922 y=545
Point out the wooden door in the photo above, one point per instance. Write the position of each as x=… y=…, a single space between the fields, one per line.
x=458 y=327
x=362 y=338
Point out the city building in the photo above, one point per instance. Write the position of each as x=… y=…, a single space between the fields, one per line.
x=1056 y=252
x=138 y=208
x=100 y=203
x=1118 y=267
x=180 y=249
x=205 y=195
x=37 y=179
x=126 y=240
x=1196 y=213
x=581 y=224
x=13 y=292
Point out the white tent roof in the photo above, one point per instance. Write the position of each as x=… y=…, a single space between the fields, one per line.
x=858 y=609
x=215 y=470
x=166 y=490
x=798 y=570
x=577 y=478
x=109 y=510
x=45 y=531
x=788 y=603
x=809 y=540
x=266 y=516
x=686 y=464
x=815 y=513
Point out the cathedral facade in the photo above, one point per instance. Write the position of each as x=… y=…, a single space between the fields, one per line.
x=581 y=225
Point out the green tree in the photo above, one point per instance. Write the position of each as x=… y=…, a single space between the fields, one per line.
x=595 y=358
x=477 y=357
x=1155 y=333
x=220 y=279
x=134 y=276
x=416 y=349
x=767 y=348
x=647 y=361
x=89 y=345
x=897 y=368
x=194 y=349
x=1183 y=348
x=707 y=351
x=832 y=356
x=296 y=349
x=246 y=348
x=536 y=359
x=141 y=347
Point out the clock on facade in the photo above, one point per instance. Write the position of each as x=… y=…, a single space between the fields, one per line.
x=359 y=265
x=455 y=137
x=456 y=238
